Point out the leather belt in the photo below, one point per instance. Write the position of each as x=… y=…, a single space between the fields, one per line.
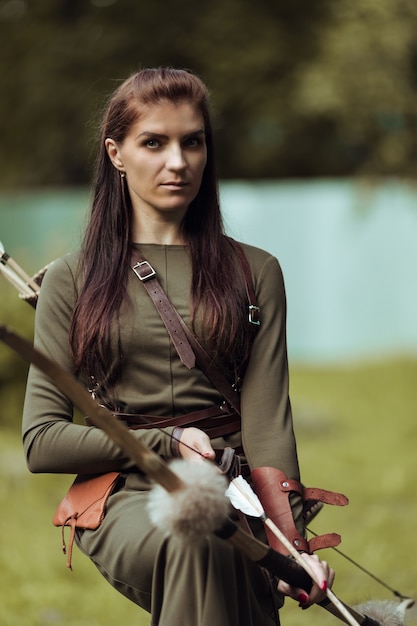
x=213 y=420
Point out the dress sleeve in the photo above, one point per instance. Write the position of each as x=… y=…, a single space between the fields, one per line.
x=267 y=428
x=52 y=441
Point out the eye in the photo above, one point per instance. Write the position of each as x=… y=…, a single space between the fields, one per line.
x=193 y=142
x=152 y=143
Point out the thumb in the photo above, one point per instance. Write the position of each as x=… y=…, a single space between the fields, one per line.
x=198 y=445
x=203 y=446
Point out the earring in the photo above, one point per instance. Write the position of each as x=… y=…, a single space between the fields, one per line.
x=122 y=174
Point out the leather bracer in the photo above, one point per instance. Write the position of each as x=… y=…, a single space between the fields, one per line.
x=273 y=488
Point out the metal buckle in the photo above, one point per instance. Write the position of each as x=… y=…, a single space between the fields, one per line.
x=144 y=265
x=254 y=315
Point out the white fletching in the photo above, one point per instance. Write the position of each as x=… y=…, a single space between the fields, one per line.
x=243 y=498
x=1 y=248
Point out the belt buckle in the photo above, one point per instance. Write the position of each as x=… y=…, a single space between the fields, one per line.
x=142 y=267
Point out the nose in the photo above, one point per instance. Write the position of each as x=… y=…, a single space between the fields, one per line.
x=176 y=158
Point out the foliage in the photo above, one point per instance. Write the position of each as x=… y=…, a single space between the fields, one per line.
x=301 y=88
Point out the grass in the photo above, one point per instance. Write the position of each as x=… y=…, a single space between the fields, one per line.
x=36 y=588
x=356 y=429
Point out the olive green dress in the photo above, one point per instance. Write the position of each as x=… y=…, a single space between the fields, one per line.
x=204 y=582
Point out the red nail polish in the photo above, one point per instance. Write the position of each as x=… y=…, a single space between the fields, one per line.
x=302 y=598
x=324 y=586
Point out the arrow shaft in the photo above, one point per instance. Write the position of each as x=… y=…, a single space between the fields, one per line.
x=15 y=280
x=20 y=271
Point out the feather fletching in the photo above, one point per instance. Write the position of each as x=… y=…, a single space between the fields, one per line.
x=243 y=498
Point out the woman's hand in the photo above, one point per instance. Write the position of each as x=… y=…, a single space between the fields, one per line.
x=195 y=445
x=323 y=574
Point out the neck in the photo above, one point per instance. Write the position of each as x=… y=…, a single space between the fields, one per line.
x=162 y=241
x=163 y=232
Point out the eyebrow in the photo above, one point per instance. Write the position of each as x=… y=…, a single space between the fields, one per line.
x=150 y=133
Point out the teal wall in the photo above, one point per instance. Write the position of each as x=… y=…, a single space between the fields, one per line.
x=349 y=255
x=348 y=251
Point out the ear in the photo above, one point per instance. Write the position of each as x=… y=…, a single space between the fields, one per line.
x=114 y=153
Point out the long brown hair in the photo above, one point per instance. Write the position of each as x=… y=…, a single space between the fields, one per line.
x=217 y=289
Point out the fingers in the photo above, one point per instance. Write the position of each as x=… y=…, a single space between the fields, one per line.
x=323 y=574
x=195 y=445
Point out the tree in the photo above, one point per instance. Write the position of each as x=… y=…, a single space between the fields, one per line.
x=300 y=88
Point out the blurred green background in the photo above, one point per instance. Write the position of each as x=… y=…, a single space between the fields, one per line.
x=300 y=88
x=315 y=119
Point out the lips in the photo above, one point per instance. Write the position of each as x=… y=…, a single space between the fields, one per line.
x=175 y=187
x=175 y=183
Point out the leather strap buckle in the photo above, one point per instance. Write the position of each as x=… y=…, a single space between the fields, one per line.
x=144 y=270
x=254 y=315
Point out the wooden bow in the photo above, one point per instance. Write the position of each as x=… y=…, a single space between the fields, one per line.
x=153 y=465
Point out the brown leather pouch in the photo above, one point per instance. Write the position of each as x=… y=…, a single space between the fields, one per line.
x=84 y=505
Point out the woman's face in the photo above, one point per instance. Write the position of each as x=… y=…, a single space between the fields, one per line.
x=163 y=157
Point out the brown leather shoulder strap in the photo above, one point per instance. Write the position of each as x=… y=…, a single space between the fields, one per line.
x=189 y=349
x=212 y=371
x=147 y=275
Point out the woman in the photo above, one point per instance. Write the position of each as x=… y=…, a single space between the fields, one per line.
x=155 y=195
